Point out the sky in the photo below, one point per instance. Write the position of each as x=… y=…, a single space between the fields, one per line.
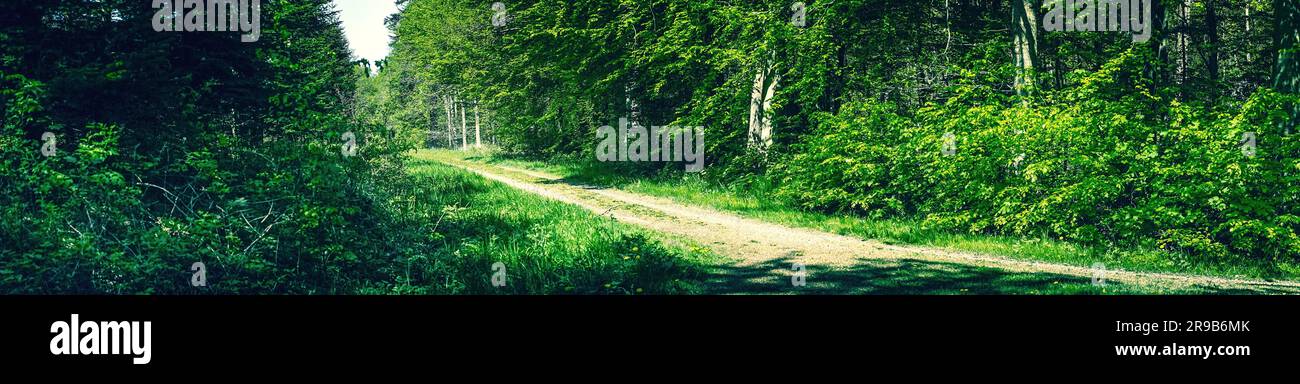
x=363 y=22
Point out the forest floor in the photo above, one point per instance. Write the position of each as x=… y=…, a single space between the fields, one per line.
x=763 y=257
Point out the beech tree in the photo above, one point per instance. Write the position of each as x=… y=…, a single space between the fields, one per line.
x=1025 y=28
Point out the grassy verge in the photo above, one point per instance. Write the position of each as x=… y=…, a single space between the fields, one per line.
x=546 y=247
x=754 y=202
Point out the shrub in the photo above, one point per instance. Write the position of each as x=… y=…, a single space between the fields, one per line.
x=1110 y=162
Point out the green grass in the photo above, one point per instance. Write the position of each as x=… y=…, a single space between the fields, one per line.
x=753 y=202
x=546 y=247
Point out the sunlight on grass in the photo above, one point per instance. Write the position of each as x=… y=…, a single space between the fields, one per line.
x=546 y=246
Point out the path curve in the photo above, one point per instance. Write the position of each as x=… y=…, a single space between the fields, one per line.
x=757 y=244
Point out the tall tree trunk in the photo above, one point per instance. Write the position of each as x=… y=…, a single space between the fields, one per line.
x=432 y=140
x=755 y=109
x=447 y=104
x=464 y=139
x=1024 y=30
x=478 y=134
x=768 y=97
x=630 y=104
x=1184 y=42
x=1249 y=59
x=1159 y=71
x=947 y=27
x=1287 y=77
x=760 y=104
x=1212 y=29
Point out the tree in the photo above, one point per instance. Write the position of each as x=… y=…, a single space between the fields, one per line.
x=464 y=139
x=1212 y=31
x=762 y=93
x=1024 y=30
x=1287 y=78
x=449 y=105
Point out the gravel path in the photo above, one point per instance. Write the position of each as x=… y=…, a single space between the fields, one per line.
x=765 y=255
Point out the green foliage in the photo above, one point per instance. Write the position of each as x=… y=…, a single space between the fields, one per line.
x=181 y=149
x=546 y=247
x=1120 y=144
x=177 y=148
x=1106 y=163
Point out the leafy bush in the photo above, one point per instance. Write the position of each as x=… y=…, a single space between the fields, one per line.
x=235 y=163
x=1110 y=162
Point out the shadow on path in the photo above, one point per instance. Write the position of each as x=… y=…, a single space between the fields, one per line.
x=913 y=277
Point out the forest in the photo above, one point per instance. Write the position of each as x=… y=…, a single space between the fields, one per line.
x=1044 y=130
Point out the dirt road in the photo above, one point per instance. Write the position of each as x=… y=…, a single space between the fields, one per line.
x=765 y=256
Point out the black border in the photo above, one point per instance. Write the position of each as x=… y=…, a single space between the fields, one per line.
x=358 y=332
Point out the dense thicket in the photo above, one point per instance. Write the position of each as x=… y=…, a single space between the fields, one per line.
x=967 y=114
x=172 y=148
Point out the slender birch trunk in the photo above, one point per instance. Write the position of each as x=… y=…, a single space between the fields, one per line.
x=478 y=134
x=447 y=105
x=763 y=92
x=464 y=139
